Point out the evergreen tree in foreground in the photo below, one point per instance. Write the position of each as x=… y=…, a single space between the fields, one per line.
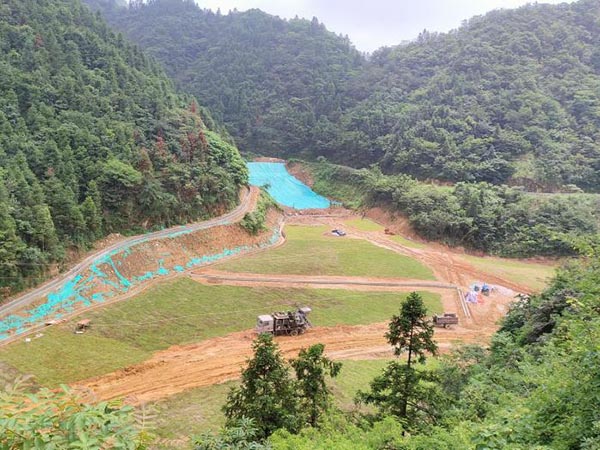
x=267 y=393
x=311 y=367
x=401 y=390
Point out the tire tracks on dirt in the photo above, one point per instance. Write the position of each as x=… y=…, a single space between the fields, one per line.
x=220 y=359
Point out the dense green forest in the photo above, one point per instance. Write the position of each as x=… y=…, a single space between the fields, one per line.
x=276 y=84
x=93 y=140
x=515 y=93
x=479 y=216
x=512 y=96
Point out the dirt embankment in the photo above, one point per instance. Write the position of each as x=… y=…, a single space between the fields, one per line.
x=116 y=274
x=268 y=159
x=299 y=171
x=154 y=259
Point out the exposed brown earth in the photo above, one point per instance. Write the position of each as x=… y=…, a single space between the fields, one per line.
x=220 y=359
x=299 y=171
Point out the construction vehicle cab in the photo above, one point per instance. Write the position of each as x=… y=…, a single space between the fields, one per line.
x=264 y=324
x=288 y=323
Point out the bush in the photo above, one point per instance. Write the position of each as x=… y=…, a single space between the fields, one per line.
x=254 y=222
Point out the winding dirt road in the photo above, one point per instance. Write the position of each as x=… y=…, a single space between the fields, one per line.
x=247 y=201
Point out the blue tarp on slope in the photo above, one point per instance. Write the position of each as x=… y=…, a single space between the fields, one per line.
x=284 y=188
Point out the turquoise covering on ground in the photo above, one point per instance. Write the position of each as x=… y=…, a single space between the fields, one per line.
x=75 y=292
x=284 y=188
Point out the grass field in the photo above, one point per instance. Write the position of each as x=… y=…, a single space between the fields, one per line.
x=535 y=276
x=179 y=312
x=313 y=251
x=199 y=410
x=191 y=413
x=407 y=242
x=364 y=225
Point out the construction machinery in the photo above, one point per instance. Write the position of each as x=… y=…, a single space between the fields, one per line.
x=445 y=320
x=82 y=326
x=288 y=323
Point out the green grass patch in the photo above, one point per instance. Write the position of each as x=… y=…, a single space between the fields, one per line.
x=190 y=413
x=355 y=376
x=180 y=312
x=61 y=356
x=407 y=242
x=535 y=276
x=198 y=410
x=314 y=251
x=364 y=225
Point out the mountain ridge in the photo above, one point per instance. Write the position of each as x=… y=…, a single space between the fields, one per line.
x=501 y=99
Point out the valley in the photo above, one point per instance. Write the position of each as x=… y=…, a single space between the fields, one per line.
x=236 y=231
x=192 y=329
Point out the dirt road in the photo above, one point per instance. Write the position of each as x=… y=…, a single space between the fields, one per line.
x=220 y=359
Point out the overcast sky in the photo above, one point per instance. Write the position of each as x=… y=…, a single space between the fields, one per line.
x=371 y=24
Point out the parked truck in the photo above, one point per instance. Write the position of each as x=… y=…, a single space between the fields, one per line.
x=288 y=323
x=446 y=320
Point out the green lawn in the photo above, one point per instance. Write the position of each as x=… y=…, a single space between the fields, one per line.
x=190 y=413
x=364 y=225
x=179 y=312
x=407 y=242
x=536 y=276
x=354 y=376
x=314 y=251
x=198 y=410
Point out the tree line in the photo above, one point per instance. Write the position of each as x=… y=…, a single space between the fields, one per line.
x=480 y=216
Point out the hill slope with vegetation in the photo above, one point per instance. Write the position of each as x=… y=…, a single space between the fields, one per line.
x=510 y=96
x=93 y=140
x=276 y=84
x=479 y=216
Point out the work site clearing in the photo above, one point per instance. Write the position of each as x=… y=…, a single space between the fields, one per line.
x=194 y=328
x=220 y=359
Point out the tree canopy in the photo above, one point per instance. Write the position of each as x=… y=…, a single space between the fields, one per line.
x=94 y=139
x=512 y=96
x=267 y=392
x=276 y=84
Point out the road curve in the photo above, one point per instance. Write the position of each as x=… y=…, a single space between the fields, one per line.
x=26 y=299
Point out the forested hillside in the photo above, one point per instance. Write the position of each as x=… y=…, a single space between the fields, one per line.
x=511 y=96
x=277 y=84
x=93 y=139
x=515 y=93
